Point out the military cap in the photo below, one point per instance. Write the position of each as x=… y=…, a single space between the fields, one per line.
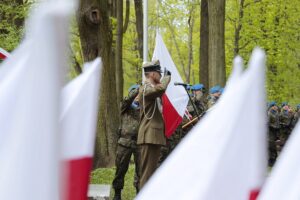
x=198 y=86
x=133 y=87
x=215 y=89
x=284 y=104
x=153 y=66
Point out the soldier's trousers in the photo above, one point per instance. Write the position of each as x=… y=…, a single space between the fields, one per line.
x=273 y=137
x=122 y=163
x=284 y=134
x=149 y=157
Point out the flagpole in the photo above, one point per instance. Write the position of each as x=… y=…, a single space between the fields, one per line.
x=145 y=38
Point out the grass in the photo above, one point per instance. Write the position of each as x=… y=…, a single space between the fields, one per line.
x=106 y=176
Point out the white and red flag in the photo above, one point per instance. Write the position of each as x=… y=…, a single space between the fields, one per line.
x=224 y=157
x=175 y=98
x=30 y=85
x=284 y=180
x=3 y=54
x=78 y=120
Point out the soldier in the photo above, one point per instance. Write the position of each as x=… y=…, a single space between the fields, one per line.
x=130 y=112
x=214 y=94
x=198 y=97
x=296 y=116
x=285 y=118
x=273 y=122
x=151 y=132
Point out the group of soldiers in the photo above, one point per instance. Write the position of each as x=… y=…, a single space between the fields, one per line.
x=141 y=133
x=281 y=121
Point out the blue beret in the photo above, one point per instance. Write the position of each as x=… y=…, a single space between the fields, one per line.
x=215 y=89
x=271 y=104
x=198 y=86
x=133 y=87
x=298 y=106
x=284 y=104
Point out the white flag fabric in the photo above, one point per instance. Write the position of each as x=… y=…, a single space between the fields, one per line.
x=175 y=98
x=224 y=156
x=30 y=83
x=78 y=121
x=236 y=73
x=284 y=180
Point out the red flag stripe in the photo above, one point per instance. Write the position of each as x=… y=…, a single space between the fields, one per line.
x=78 y=173
x=254 y=194
x=3 y=54
x=171 y=117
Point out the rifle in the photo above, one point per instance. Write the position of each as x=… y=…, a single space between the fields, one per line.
x=193 y=121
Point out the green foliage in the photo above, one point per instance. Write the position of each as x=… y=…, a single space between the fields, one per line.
x=274 y=26
x=12 y=17
x=106 y=176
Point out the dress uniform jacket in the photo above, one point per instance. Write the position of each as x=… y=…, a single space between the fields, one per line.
x=151 y=130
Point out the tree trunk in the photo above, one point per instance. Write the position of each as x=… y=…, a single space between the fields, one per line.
x=216 y=49
x=190 y=45
x=96 y=40
x=126 y=16
x=138 y=4
x=204 y=38
x=119 y=46
x=238 y=28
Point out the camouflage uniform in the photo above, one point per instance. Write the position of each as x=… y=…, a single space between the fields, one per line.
x=274 y=126
x=212 y=100
x=296 y=118
x=127 y=142
x=285 y=119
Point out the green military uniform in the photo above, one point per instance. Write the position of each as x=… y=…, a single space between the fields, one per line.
x=213 y=97
x=273 y=116
x=200 y=104
x=151 y=131
x=127 y=142
x=296 y=116
x=285 y=119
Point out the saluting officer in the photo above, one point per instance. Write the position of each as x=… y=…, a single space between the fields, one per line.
x=151 y=131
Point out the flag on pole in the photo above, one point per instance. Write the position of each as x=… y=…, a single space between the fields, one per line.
x=3 y=54
x=284 y=180
x=175 y=98
x=78 y=121
x=30 y=83
x=224 y=156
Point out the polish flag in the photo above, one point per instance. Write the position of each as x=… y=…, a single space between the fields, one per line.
x=284 y=180
x=175 y=98
x=30 y=83
x=3 y=54
x=78 y=122
x=224 y=157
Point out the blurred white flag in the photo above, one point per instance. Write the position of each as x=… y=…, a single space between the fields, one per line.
x=224 y=156
x=79 y=121
x=30 y=84
x=284 y=180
